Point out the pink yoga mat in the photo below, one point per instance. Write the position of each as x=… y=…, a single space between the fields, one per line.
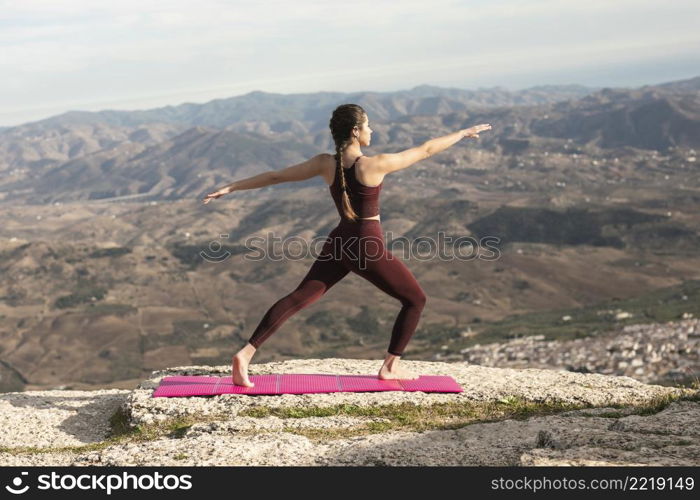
x=304 y=383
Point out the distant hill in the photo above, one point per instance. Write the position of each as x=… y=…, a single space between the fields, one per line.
x=589 y=198
x=177 y=151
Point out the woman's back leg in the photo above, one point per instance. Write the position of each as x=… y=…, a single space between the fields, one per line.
x=323 y=274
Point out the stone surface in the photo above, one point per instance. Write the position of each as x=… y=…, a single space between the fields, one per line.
x=591 y=436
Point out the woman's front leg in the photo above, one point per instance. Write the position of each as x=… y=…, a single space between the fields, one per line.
x=239 y=365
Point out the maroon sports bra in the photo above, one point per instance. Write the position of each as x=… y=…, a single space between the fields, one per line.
x=364 y=199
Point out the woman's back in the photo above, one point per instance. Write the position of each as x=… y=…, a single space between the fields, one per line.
x=364 y=199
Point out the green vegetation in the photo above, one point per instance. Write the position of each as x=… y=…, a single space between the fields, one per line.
x=330 y=330
x=263 y=271
x=109 y=308
x=444 y=416
x=519 y=284
x=367 y=322
x=86 y=290
x=657 y=306
x=194 y=255
x=83 y=294
x=190 y=333
x=124 y=364
x=412 y=417
x=109 y=252
x=322 y=319
x=12 y=253
x=615 y=227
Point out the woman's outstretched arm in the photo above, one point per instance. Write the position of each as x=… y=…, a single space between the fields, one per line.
x=299 y=172
x=391 y=162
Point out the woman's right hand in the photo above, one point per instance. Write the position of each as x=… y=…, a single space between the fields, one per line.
x=474 y=131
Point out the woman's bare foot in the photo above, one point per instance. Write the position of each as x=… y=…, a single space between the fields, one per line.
x=391 y=370
x=239 y=368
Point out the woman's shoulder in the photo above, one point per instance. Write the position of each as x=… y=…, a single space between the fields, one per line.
x=328 y=167
x=367 y=173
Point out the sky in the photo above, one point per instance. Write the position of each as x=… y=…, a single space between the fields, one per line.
x=61 y=55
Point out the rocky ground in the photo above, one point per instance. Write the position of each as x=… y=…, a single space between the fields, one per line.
x=505 y=416
x=652 y=353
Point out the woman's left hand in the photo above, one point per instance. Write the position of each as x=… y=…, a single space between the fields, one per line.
x=215 y=195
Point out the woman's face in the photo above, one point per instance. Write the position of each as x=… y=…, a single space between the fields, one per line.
x=365 y=133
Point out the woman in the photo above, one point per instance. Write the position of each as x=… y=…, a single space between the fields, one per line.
x=356 y=244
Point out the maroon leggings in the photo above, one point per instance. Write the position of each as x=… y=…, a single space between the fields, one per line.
x=358 y=247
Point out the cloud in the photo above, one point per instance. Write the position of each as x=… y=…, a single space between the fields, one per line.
x=133 y=51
